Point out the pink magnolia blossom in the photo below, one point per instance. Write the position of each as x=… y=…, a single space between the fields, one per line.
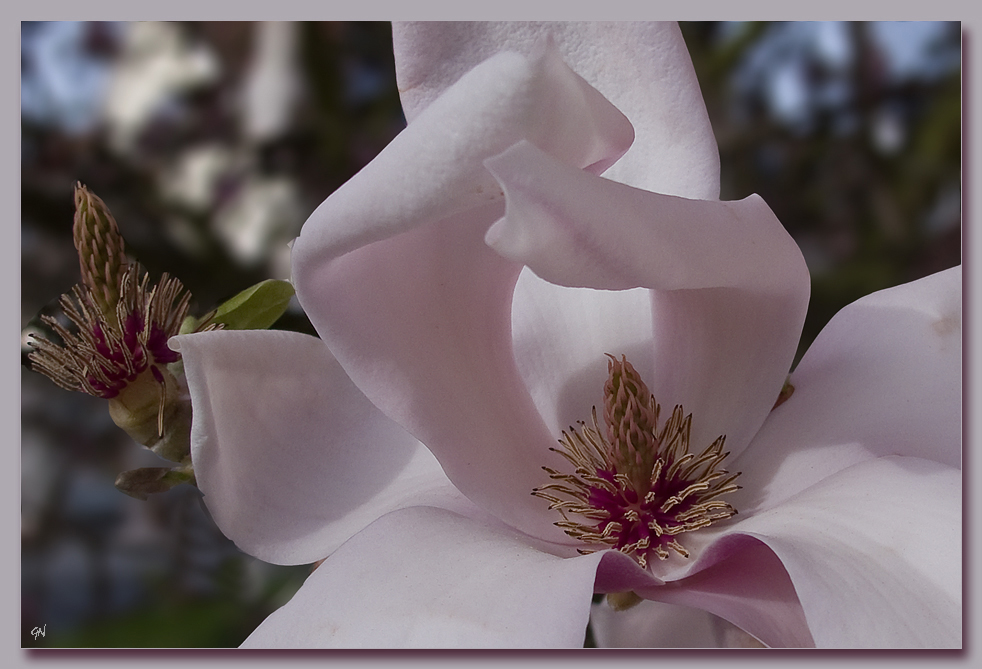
x=555 y=198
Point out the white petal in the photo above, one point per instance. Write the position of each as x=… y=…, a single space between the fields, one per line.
x=291 y=457
x=642 y=68
x=874 y=552
x=434 y=168
x=427 y=578
x=731 y=285
x=422 y=324
x=883 y=378
x=576 y=229
x=560 y=336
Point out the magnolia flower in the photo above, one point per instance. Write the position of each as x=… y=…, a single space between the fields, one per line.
x=552 y=200
x=117 y=348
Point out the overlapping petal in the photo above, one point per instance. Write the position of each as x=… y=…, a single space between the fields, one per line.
x=420 y=318
x=724 y=341
x=422 y=324
x=880 y=379
x=280 y=432
x=427 y=578
x=642 y=68
x=504 y=100
x=577 y=229
x=743 y=581
x=874 y=554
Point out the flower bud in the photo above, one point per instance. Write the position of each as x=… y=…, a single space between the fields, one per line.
x=100 y=249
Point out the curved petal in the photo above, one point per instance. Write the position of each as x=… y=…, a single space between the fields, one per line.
x=741 y=580
x=427 y=578
x=643 y=68
x=874 y=552
x=560 y=336
x=434 y=168
x=655 y=625
x=291 y=457
x=576 y=229
x=421 y=320
x=882 y=378
x=422 y=324
x=731 y=285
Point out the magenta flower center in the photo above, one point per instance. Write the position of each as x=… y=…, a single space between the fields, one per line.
x=109 y=350
x=637 y=487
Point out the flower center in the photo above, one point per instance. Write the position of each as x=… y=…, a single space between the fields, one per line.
x=108 y=351
x=635 y=488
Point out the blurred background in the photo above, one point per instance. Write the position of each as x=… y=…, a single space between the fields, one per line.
x=212 y=142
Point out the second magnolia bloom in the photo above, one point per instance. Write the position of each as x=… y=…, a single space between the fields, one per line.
x=118 y=348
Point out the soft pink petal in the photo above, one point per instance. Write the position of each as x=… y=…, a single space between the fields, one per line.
x=576 y=229
x=741 y=580
x=428 y=578
x=642 y=68
x=421 y=320
x=560 y=336
x=883 y=378
x=291 y=457
x=874 y=552
x=655 y=625
x=434 y=168
x=731 y=285
x=906 y=339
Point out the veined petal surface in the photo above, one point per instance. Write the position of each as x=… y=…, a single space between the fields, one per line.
x=395 y=275
x=291 y=457
x=426 y=578
x=882 y=378
x=643 y=68
x=730 y=287
x=874 y=552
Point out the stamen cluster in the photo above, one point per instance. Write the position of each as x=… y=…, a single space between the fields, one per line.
x=108 y=351
x=121 y=322
x=634 y=488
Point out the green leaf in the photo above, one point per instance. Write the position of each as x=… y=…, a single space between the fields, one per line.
x=255 y=308
x=190 y=324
